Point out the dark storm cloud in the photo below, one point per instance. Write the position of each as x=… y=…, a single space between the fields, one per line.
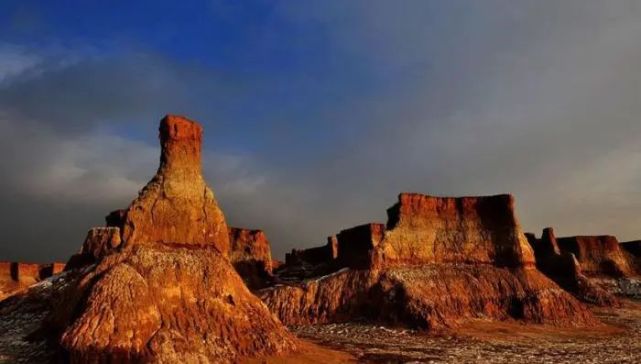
x=538 y=98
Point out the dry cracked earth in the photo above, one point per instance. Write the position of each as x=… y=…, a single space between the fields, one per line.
x=617 y=341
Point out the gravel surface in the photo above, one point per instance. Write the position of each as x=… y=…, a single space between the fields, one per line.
x=490 y=342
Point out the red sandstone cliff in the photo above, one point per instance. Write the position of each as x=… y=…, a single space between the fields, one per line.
x=165 y=290
x=439 y=261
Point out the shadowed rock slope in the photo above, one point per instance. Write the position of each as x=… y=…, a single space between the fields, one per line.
x=593 y=268
x=250 y=253
x=439 y=262
x=162 y=288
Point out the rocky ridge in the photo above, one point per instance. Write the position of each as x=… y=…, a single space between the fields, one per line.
x=157 y=284
x=439 y=261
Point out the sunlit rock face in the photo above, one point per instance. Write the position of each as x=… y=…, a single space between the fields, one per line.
x=161 y=287
x=16 y=276
x=477 y=230
x=438 y=262
x=177 y=206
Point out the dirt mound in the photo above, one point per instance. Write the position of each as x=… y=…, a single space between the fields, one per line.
x=439 y=261
x=166 y=292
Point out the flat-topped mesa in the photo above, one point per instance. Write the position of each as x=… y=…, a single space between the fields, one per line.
x=176 y=207
x=424 y=229
x=598 y=255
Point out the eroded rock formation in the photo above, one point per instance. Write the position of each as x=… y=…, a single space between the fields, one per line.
x=564 y=268
x=250 y=253
x=598 y=255
x=439 y=261
x=165 y=290
x=16 y=276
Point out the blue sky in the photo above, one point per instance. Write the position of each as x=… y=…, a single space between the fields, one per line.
x=317 y=113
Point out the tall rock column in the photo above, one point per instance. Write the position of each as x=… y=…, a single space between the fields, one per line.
x=177 y=206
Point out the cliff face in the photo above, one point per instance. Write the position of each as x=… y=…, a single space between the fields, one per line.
x=250 y=253
x=598 y=255
x=439 y=261
x=100 y=242
x=162 y=287
x=478 y=230
x=16 y=276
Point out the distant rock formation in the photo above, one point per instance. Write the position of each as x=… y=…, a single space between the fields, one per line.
x=250 y=253
x=632 y=247
x=563 y=267
x=16 y=276
x=598 y=255
x=165 y=290
x=593 y=268
x=437 y=262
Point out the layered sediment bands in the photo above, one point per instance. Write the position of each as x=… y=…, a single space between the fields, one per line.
x=250 y=253
x=564 y=269
x=479 y=230
x=16 y=276
x=439 y=261
x=176 y=206
x=433 y=296
x=598 y=255
x=170 y=304
x=163 y=288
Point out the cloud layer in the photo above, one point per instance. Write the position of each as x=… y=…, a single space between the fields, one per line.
x=321 y=114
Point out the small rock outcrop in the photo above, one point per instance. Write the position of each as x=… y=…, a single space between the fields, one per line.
x=598 y=255
x=563 y=267
x=439 y=261
x=100 y=242
x=16 y=276
x=161 y=287
x=250 y=253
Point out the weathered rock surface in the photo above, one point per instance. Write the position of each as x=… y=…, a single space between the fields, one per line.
x=250 y=253
x=598 y=255
x=440 y=261
x=565 y=269
x=176 y=206
x=162 y=288
x=100 y=242
x=16 y=276
x=476 y=230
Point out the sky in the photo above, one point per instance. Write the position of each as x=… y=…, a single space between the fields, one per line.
x=318 y=113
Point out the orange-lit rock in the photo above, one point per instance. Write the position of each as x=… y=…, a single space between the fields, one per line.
x=176 y=206
x=250 y=253
x=438 y=262
x=598 y=255
x=100 y=242
x=166 y=291
x=16 y=276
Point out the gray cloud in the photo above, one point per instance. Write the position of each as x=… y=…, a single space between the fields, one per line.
x=538 y=98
